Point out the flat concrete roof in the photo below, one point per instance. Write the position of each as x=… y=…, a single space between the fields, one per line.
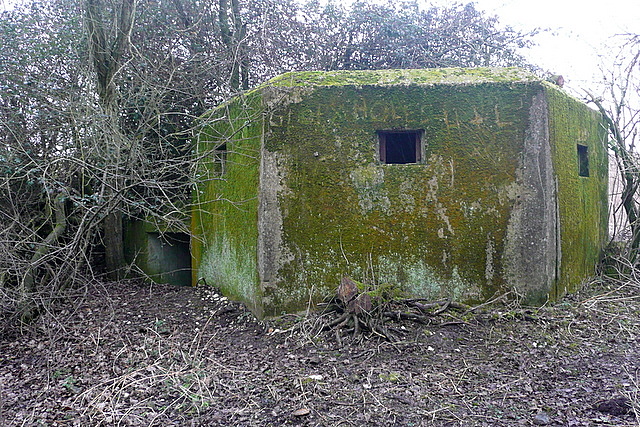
x=428 y=77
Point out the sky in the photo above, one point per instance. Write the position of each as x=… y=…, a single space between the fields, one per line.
x=578 y=31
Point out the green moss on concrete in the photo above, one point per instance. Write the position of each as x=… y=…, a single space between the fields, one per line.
x=162 y=254
x=456 y=76
x=437 y=228
x=415 y=225
x=583 y=205
x=226 y=201
x=160 y=225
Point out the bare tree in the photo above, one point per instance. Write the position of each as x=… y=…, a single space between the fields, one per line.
x=370 y=35
x=107 y=52
x=235 y=42
x=620 y=108
x=96 y=126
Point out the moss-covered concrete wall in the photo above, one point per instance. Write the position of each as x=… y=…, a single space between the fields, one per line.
x=303 y=198
x=162 y=254
x=582 y=200
x=225 y=214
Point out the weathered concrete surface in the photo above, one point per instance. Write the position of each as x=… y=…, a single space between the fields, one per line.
x=163 y=257
x=495 y=204
x=532 y=253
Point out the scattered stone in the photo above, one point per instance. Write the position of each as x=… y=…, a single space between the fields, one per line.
x=617 y=406
x=541 y=419
x=314 y=360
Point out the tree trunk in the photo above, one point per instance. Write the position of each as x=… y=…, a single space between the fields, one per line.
x=107 y=58
x=113 y=245
x=242 y=69
x=234 y=40
x=28 y=309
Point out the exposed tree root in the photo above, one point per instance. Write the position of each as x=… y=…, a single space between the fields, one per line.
x=357 y=313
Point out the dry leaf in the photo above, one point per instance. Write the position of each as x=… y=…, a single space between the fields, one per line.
x=301 y=412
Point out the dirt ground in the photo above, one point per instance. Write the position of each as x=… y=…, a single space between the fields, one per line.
x=156 y=355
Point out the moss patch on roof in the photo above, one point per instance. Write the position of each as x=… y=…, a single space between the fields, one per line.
x=430 y=76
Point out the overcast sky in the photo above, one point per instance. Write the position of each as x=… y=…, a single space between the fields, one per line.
x=579 y=31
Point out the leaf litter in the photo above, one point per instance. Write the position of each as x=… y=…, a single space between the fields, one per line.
x=135 y=354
